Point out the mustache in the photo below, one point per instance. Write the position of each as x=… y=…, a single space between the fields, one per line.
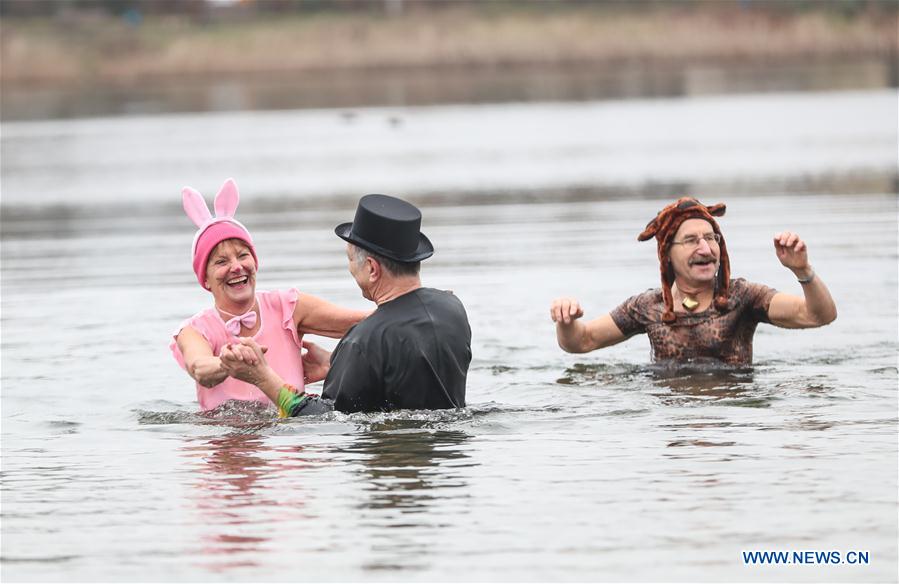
x=703 y=259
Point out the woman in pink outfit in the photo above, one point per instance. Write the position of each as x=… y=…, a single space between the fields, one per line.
x=225 y=263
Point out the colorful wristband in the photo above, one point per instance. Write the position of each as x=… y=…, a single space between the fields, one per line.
x=289 y=398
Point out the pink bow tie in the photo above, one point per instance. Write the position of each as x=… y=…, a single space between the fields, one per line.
x=248 y=320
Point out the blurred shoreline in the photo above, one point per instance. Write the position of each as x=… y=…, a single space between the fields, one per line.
x=443 y=102
x=83 y=48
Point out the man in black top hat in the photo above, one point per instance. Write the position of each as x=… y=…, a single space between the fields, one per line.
x=411 y=353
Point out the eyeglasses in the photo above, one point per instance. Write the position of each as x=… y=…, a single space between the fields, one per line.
x=692 y=241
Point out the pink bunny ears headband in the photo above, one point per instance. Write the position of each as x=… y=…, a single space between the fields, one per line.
x=214 y=230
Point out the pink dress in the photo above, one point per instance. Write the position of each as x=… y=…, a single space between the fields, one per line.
x=276 y=332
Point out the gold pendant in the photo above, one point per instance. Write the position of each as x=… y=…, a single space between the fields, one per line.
x=689 y=303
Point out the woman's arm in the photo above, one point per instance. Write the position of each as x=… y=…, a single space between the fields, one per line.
x=316 y=362
x=312 y=315
x=199 y=361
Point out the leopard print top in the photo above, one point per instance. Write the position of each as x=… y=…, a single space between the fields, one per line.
x=725 y=335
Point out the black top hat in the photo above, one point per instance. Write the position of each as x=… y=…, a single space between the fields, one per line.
x=389 y=227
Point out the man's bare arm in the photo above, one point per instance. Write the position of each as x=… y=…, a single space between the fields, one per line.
x=576 y=336
x=816 y=307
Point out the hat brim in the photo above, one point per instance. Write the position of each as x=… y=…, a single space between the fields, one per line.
x=424 y=250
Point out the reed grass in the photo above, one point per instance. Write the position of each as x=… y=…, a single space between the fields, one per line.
x=95 y=48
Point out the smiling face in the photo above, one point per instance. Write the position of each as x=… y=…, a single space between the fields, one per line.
x=231 y=274
x=695 y=254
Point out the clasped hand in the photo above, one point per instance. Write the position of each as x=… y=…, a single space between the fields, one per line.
x=245 y=361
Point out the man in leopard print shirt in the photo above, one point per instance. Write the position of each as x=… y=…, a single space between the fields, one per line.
x=699 y=312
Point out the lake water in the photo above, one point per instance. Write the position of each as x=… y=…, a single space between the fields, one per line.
x=562 y=467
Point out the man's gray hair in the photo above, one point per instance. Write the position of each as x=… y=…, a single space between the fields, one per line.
x=394 y=267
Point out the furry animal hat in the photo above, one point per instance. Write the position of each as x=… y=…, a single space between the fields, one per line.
x=663 y=228
x=214 y=230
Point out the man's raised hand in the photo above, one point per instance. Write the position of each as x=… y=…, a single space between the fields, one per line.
x=565 y=310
